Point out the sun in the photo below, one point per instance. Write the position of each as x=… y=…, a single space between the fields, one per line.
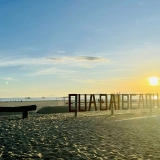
x=153 y=80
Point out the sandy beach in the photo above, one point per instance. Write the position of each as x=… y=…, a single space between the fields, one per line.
x=92 y=135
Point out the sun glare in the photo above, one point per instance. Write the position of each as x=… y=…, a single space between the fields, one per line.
x=153 y=81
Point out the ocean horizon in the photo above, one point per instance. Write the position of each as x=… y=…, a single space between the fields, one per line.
x=30 y=99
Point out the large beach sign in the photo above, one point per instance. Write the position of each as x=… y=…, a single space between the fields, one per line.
x=88 y=102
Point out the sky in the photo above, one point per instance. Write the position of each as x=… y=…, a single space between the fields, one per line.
x=58 y=47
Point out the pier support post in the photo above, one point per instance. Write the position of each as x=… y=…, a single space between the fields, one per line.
x=76 y=106
x=112 y=102
x=150 y=105
x=112 y=111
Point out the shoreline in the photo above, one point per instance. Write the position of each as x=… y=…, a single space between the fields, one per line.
x=54 y=106
x=23 y=103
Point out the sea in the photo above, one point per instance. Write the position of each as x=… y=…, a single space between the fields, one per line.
x=31 y=99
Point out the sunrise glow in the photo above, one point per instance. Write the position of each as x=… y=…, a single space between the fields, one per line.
x=153 y=80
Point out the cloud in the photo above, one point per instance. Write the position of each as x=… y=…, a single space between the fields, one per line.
x=9 y=79
x=11 y=61
x=15 y=61
x=55 y=59
x=52 y=70
x=106 y=82
x=91 y=59
x=87 y=66
x=140 y=3
x=61 y=51
x=79 y=58
x=60 y=65
x=80 y=61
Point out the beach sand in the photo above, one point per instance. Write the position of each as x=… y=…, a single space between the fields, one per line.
x=94 y=135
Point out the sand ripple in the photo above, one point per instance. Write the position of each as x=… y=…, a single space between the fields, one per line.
x=61 y=136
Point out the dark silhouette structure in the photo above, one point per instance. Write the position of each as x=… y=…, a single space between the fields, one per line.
x=23 y=109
